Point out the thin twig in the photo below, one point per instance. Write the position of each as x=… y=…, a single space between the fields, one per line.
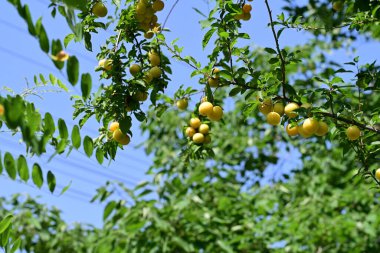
x=170 y=12
x=282 y=60
x=349 y=121
x=304 y=27
x=175 y=54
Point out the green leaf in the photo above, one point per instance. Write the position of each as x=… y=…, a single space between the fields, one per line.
x=1 y=164
x=68 y=38
x=234 y=91
x=225 y=246
x=51 y=181
x=37 y=176
x=73 y=70
x=29 y=21
x=16 y=245
x=43 y=39
x=75 y=137
x=86 y=85
x=270 y=50
x=108 y=209
x=65 y=188
x=22 y=168
x=207 y=37
x=273 y=60
x=10 y=165
x=5 y=223
x=63 y=132
x=49 y=127
x=62 y=85
x=99 y=155
x=88 y=146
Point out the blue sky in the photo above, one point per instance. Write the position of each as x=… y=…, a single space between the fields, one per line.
x=22 y=59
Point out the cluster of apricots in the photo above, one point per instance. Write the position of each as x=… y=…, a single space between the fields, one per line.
x=118 y=135
x=310 y=126
x=135 y=69
x=145 y=15
x=245 y=13
x=154 y=72
x=214 y=113
x=213 y=80
x=198 y=132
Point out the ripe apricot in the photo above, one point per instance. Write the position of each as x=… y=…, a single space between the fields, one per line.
x=141 y=96
x=114 y=125
x=377 y=174
x=155 y=72
x=247 y=8
x=246 y=16
x=195 y=123
x=353 y=133
x=198 y=138
x=2 y=110
x=266 y=106
x=279 y=108
x=158 y=5
x=182 y=104
x=217 y=113
x=213 y=82
x=190 y=132
x=120 y=137
x=154 y=58
x=291 y=130
x=134 y=69
x=204 y=129
x=105 y=64
x=302 y=132
x=322 y=129
x=273 y=118
x=310 y=125
x=205 y=108
x=61 y=56
x=289 y=110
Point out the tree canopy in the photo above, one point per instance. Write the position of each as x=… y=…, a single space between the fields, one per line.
x=269 y=149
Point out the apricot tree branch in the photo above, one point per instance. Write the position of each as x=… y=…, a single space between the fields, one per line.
x=349 y=121
x=282 y=60
x=177 y=56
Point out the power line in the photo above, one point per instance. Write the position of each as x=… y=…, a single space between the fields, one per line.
x=85 y=57
x=73 y=192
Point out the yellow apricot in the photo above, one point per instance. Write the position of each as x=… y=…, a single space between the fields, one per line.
x=289 y=110
x=273 y=118
x=195 y=123
x=291 y=130
x=205 y=108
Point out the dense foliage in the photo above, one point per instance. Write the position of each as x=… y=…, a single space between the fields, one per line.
x=227 y=186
